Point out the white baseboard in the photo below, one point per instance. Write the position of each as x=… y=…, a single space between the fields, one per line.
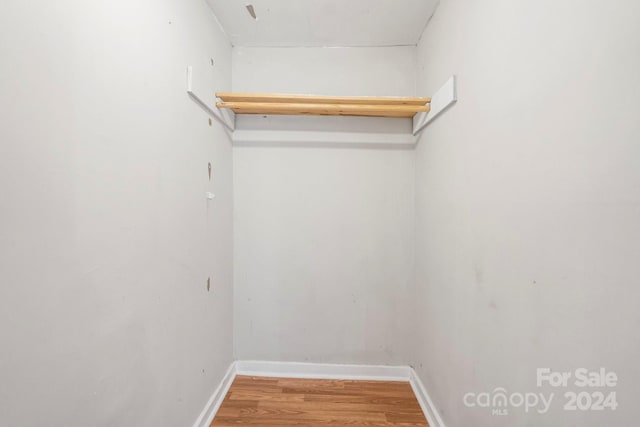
x=429 y=409
x=320 y=371
x=212 y=406
x=323 y=371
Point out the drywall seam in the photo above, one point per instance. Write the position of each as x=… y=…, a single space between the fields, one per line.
x=427 y=24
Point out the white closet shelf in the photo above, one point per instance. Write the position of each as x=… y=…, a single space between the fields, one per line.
x=287 y=104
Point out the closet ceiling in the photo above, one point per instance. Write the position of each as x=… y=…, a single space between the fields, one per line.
x=323 y=22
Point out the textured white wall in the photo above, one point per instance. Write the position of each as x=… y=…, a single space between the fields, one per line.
x=528 y=204
x=106 y=239
x=323 y=235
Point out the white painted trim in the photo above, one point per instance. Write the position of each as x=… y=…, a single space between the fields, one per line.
x=270 y=137
x=320 y=371
x=226 y=118
x=443 y=99
x=323 y=371
x=212 y=406
x=429 y=409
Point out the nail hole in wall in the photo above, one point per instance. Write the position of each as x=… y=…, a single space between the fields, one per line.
x=251 y=11
x=210 y=122
x=209 y=168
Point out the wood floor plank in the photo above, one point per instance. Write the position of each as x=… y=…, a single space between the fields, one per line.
x=259 y=401
x=257 y=396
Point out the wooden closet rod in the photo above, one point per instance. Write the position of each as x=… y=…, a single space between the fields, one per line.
x=317 y=99
x=375 y=110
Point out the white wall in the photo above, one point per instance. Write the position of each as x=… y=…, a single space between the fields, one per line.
x=106 y=239
x=528 y=204
x=323 y=234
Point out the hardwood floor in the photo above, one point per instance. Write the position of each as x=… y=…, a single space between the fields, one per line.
x=262 y=401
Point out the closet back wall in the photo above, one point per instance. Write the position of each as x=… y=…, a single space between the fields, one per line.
x=323 y=234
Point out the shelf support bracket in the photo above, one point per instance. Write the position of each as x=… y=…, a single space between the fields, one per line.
x=443 y=99
x=225 y=117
